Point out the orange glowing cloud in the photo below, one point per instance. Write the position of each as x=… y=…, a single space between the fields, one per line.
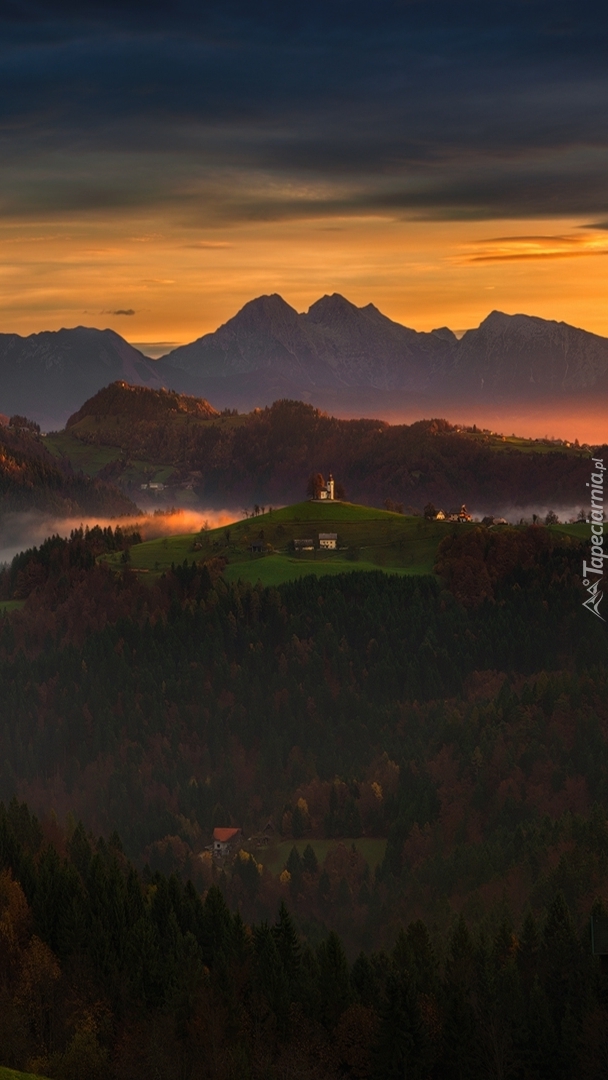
x=521 y=248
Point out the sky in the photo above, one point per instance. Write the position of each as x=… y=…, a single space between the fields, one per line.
x=162 y=164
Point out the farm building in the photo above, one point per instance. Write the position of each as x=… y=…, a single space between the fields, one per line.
x=304 y=545
x=226 y=840
x=328 y=540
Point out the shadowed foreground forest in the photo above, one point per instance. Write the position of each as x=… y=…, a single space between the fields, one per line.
x=460 y=722
x=108 y=973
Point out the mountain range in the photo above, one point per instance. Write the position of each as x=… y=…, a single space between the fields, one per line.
x=352 y=360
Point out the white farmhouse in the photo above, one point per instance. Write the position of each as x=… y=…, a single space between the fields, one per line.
x=328 y=540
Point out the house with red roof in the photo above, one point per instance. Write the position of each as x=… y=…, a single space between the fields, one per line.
x=226 y=840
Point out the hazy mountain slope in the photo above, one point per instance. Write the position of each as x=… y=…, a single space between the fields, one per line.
x=333 y=345
x=349 y=360
x=47 y=376
x=269 y=454
x=514 y=355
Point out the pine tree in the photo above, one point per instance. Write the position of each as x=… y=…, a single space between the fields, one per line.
x=335 y=990
x=402 y=1048
x=270 y=975
x=288 y=945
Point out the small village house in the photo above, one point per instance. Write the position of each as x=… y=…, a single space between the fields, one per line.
x=226 y=840
x=328 y=541
x=461 y=515
x=304 y=545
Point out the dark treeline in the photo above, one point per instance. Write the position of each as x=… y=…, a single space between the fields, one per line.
x=57 y=555
x=265 y=454
x=108 y=973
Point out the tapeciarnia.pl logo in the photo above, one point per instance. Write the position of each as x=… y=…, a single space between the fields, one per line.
x=593 y=572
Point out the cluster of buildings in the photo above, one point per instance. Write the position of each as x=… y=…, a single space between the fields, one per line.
x=327 y=542
x=455 y=515
x=227 y=842
x=152 y=486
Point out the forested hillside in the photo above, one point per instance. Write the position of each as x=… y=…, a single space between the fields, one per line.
x=269 y=454
x=466 y=726
x=112 y=975
x=31 y=478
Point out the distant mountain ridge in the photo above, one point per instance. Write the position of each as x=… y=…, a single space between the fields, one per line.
x=47 y=376
x=338 y=356
x=509 y=352
x=356 y=361
x=334 y=344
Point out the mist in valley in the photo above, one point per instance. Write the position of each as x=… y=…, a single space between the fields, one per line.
x=26 y=529
x=20 y=530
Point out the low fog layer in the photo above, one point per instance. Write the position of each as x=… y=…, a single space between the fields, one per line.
x=19 y=531
x=515 y=514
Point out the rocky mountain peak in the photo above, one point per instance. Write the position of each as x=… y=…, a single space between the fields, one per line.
x=263 y=312
x=445 y=334
x=331 y=309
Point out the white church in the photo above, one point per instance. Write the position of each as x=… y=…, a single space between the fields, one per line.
x=327 y=492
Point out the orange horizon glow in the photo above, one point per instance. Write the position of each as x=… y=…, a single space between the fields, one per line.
x=162 y=282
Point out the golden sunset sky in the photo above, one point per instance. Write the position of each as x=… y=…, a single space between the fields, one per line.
x=161 y=166
x=160 y=281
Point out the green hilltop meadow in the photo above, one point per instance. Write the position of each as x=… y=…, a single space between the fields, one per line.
x=367 y=539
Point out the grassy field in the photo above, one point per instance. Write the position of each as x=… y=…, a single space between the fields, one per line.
x=275 y=856
x=11 y=1074
x=11 y=605
x=580 y=530
x=497 y=441
x=368 y=539
x=276 y=569
x=91 y=458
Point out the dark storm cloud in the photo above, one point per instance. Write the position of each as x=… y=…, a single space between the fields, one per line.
x=269 y=111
